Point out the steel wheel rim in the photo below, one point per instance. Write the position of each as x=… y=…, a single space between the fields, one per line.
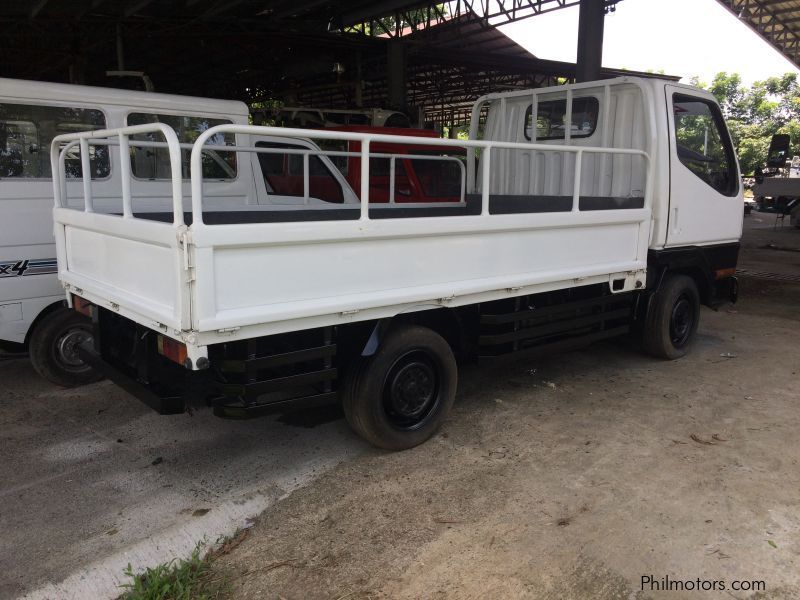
x=411 y=390
x=681 y=321
x=65 y=350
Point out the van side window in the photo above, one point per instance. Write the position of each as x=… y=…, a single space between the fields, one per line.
x=702 y=144
x=551 y=119
x=283 y=174
x=27 y=130
x=153 y=163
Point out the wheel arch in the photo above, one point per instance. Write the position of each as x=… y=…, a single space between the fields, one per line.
x=700 y=278
x=447 y=322
x=47 y=310
x=709 y=266
x=442 y=320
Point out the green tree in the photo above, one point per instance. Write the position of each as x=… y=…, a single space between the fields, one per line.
x=757 y=113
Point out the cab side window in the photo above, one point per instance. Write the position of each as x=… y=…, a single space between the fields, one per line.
x=27 y=130
x=702 y=143
x=283 y=174
x=551 y=117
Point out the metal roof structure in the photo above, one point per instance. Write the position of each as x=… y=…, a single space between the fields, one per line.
x=327 y=53
x=777 y=21
x=450 y=64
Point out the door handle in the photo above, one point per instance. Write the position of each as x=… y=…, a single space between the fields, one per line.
x=675 y=219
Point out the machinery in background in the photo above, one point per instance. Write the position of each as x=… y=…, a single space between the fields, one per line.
x=777 y=185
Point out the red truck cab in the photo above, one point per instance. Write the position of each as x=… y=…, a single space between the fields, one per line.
x=422 y=174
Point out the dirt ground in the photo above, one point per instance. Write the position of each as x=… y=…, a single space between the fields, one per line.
x=575 y=476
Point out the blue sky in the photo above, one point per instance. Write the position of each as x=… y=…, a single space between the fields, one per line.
x=682 y=37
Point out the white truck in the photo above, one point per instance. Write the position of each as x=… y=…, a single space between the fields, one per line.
x=590 y=211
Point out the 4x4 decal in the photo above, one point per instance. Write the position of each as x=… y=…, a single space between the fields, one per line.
x=26 y=267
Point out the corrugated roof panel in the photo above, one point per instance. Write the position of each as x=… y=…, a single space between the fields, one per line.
x=776 y=21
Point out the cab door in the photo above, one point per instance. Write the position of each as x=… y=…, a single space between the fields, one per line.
x=282 y=175
x=706 y=204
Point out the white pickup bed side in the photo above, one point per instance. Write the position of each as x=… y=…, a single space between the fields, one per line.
x=204 y=284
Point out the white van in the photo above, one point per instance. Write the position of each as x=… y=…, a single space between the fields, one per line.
x=32 y=314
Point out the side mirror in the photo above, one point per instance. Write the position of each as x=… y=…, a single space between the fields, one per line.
x=759 y=175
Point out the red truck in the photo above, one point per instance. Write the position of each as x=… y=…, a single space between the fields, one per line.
x=407 y=173
x=424 y=174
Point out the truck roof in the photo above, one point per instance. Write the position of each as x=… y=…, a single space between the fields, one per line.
x=64 y=93
x=651 y=83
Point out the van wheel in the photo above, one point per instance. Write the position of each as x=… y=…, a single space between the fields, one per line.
x=53 y=344
x=673 y=318
x=400 y=396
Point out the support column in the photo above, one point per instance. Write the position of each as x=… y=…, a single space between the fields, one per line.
x=120 y=49
x=358 y=90
x=80 y=58
x=396 y=75
x=590 y=40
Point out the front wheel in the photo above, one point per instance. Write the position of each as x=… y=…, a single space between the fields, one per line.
x=672 y=319
x=53 y=348
x=400 y=396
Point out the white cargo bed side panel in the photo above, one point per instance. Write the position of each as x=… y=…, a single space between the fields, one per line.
x=392 y=262
x=134 y=269
x=135 y=265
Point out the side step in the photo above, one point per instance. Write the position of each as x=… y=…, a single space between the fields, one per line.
x=268 y=380
x=550 y=325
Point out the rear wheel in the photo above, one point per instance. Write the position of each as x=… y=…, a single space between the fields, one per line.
x=673 y=317
x=53 y=348
x=400 y=396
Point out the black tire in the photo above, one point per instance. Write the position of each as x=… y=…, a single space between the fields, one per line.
x=52 y=348
x=672 y=319
x=399 y=397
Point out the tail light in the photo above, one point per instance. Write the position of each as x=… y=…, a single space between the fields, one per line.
x=723 y=273
x=82 y=305
x=171 y=349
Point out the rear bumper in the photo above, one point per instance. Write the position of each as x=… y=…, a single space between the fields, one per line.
x=165 y=405
x=297 y=373
x=173 y=405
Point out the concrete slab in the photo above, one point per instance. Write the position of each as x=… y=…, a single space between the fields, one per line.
x=80 y=495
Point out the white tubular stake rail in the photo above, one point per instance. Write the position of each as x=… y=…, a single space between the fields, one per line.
x=63 y=143
x=366 y=139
